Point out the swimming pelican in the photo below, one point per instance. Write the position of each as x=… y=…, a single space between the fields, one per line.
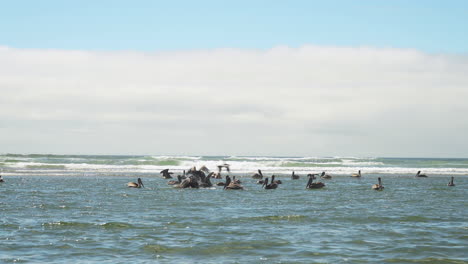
x=325 y=176
x=189 y=182
x=258 y=175
x=379 y=186
x=1 y=179
x=236 y=181
x=294 y=176
x=230 y=185
x=179 y=180
x=357 y=174
x=136 y=185
x=421 y=175
x=273 y=180
x=451 y=182
x=215 y=175
x=314 y=185
x=269 y=186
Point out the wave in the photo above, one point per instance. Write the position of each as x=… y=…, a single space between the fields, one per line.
x=19 y=163
x=46 y=166
x=82 y=225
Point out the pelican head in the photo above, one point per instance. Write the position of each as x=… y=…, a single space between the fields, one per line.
x=228 y=181
x=140 y=183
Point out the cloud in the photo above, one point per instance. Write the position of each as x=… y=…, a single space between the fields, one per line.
x=312 y=100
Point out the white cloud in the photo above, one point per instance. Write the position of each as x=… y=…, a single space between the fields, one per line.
x=312 y=100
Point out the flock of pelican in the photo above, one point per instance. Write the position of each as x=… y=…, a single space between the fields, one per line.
x=201 y=178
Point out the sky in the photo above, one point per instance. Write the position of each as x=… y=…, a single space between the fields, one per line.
x=278 y=78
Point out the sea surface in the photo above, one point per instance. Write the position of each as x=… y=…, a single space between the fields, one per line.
x=77 y=209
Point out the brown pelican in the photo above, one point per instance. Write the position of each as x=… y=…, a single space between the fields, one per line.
x=179 y=180
x=418 y=174
x=204 y=169
x=273 y=180
x=225 y=165
x=205 y=181
x=325 y=176
x=136 y=185
x=230 y=185
x=451 y=182
x=214 y=175
x=235 y=181
x=269 y=186
x=258 y=175
x=189 y=182
x=379 y=186
x=1 y=179
x=314 y=185
x=357 y=174
x=166 y=174
x=294 y=176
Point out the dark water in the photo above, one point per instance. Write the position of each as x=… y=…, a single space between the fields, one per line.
x=97 y=219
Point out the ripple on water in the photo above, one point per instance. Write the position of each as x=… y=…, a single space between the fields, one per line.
x=271 y=218
x=84 y=225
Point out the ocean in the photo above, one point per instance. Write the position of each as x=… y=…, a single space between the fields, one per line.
x=77 y=209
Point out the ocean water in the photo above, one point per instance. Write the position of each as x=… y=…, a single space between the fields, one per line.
x=77 y=209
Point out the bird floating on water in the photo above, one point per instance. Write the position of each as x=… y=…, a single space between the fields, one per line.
x=451 y=182
x=418 y=174
x=379 y=186
x=137 y=184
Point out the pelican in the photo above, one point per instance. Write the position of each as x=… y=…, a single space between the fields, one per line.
x=136 y=185
x=179 y=180
x=273 y=180
x=225 y=165
x=1 y=179
x=230 y=185
x=258 y=175
x=357 y=174
x=379 y=186
x=166 y=174
x=189 y=182
x=236 y=181
x=182 y=176
x=451 y=182
x=214 y=175
x=204 y=169
x=314 y=185
x=269 y=186
x=325 y=176
x=294 y=176
x=418 y=174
